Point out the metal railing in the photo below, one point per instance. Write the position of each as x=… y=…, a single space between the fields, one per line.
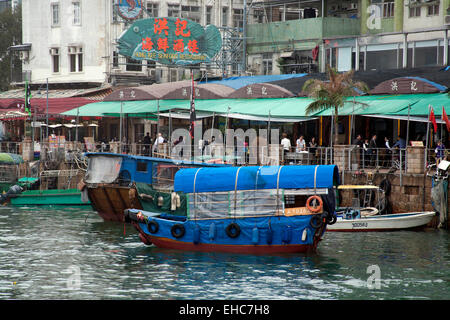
x=348 y=157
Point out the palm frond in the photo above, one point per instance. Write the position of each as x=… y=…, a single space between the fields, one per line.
x=317 y=106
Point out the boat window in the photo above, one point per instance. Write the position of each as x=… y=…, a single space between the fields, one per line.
x=103 y=169
x=243 y=203
x=141 y=166
x=163 y=175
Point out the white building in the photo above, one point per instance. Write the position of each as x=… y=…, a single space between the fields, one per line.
x=73 y=41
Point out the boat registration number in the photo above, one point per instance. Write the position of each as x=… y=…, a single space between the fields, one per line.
x=359 y=224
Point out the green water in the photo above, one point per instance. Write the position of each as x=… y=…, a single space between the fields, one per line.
x=64 y=253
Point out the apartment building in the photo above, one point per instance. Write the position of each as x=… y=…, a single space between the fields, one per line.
x=303 y=36
x=74 y=41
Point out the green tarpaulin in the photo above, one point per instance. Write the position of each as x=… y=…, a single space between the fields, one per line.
x=292 y=108
x=10 y=158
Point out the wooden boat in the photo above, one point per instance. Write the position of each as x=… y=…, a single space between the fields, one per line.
x=252 y=210
x=352 y=221
x=115 y=182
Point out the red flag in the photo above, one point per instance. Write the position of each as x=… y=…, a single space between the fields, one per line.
x=433 y=119
x=445 y=118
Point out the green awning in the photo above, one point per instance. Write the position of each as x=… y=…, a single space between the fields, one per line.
x=282 y=108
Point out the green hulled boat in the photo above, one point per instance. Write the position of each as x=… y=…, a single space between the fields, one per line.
x=65 y=197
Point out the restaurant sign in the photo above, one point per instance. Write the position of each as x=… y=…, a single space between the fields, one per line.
x=170 y=41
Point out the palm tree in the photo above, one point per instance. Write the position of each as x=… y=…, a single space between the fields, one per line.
x=332 y=93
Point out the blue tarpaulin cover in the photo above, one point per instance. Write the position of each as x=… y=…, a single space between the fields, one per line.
x=239 y=82
x=253 y=177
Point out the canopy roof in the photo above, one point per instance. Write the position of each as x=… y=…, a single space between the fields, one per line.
x=253 y=177
x=273 y=108
x=10 y=158
x=202 y=91
x=56 y=106
x=261 y=90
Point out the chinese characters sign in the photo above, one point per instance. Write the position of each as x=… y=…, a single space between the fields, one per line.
x=170 y=40
x=407 y=85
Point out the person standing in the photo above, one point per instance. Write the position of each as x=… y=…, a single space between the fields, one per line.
x=313 y=145
x=147 y=143
x=300 y=144
x=373 y=149
x=440 y=152
x=286 y=144
x=159 y=140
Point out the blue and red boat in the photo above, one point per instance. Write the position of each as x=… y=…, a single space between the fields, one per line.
x=253 y=210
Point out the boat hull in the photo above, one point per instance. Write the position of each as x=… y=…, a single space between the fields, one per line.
x=66 y=197
x=110 y=201
x=285 y=234
x=392 y=222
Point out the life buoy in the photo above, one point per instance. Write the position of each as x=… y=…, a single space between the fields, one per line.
x=177 y=230
x=153 y=226
x=233 y=230
x=316 y=221
x=314 y=209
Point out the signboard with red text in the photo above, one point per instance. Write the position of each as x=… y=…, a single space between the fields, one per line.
x=170 y=41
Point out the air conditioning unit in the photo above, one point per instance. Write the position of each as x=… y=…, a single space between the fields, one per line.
x=353 y=6
x=23 y=55
x=447 y=20
x=151 y=73
x=72 y=50
x=53 y=51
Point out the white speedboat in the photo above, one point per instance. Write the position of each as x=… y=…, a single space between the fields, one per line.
x=354 y=222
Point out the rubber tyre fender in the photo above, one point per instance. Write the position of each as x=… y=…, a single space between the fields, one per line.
x=331 y=219
x=153 y=226
x=177 y=230
x=233 y=230
x=316 y=221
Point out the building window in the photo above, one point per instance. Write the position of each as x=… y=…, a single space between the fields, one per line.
x=55 y=14
x=414 y=12
x=76 y=13
x=173 y=10
x=267 y=63
x=115 y=60
x=54 y=54
x=224 y=16
x=152 y=9
x=209 y=15
x=388 y=9
x=238 y=21
x=433 y=10
x=115 y=14
x=191 y=13
x=258 y=16
x=75 y=59
x=134 y=65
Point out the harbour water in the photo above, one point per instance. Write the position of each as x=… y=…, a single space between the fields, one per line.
x=69 y=253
